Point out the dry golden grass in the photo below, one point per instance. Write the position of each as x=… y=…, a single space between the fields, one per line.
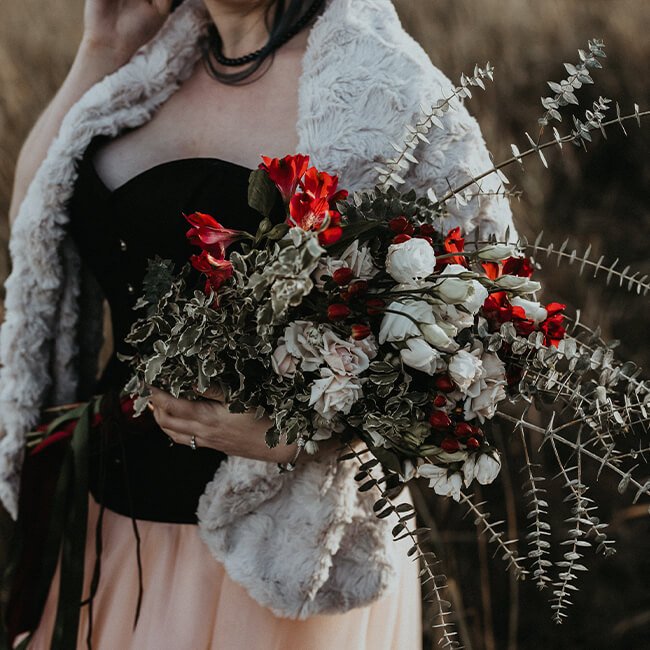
x=599 y=196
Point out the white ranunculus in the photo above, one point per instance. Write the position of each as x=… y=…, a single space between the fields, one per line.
x=469 y=469
x=533 y=309
x=487 y=468
x=332 y=393
x=484 y=396
x=304 y=340
x=283 y=362
x=516 y=284
x=477 y=297
x=437 y=336
x=453 y=291
x=496 y=252
x=410 y=261
x=343 y=357
x=421 y=356
x=443 y=483
x=465 y=369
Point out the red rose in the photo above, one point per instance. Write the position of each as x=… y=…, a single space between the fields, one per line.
x=398 y=224
x=427 y=230
x=401 y=238
x=285 y=172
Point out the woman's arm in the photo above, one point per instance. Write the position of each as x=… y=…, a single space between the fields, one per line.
x=113 y=31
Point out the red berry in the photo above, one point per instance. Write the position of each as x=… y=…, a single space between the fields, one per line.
x=360 y=332
x=440 y=401
x=473 y=443
x=462 y=430
x=343 y=276
x=357 y=288
x=344 y=294
x=427 y=230
x=439 y=420
x=450 y=445
x=401 y=238
x=444 y=383
x=375 y=306
x=398 y=224
x=338 y=311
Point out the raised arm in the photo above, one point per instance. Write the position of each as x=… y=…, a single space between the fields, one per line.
x=113 y=31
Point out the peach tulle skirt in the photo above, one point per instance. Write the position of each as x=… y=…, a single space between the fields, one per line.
x=190 y=603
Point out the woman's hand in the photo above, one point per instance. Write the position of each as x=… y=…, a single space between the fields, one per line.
x=214 y=426
x=119 y=27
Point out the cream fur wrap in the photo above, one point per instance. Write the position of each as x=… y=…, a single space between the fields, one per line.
x=301 y=543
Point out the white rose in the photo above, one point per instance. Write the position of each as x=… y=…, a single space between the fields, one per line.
x=410 y=261
x=465 y=369
x=442 y=483
x=283 y=362
x=355 y=257
x=485 y=404
x=304 y=340
x=451 y=319
x=496 y=252
x=516 y=284
x=460 y=290
x=469 y=469
x=343 y=357
x=487 y=468
x=534 y=311
x=332 y=393
x=418 y=319
x=421 y=356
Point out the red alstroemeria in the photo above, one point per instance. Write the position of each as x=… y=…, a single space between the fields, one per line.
x=553 y=326
x=286 y=172
x=519 y=266
x=497 y=309
x=321 y=185
x=307 y=212
x=493 y=270
x=217 y=271
x=454 y=243
x=209 y=235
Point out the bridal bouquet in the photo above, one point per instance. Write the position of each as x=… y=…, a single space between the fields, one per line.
x=363 y=319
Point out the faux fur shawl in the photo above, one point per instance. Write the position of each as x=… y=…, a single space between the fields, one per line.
x=364 y=80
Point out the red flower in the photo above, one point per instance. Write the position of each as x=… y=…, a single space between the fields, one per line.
x=439 y=420
x=209 y=235
x=492 y=269
x=217 y=271
x=401 y=238
x=454 y=243
x=360 y=332
x=338 y=311
x=343 y=276
x=330 y=235
x=520 y=266
x=553 y=326
x=321 y=185
x=286 y=172
x=427 y=230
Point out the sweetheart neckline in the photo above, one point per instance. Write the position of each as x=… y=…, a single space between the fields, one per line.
x=163 y=165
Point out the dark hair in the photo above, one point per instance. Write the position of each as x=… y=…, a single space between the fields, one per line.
x=287 y=20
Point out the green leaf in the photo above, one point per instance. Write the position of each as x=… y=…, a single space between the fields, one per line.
x=262 y=193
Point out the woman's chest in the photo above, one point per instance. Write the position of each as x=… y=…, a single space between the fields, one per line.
x=209 y=119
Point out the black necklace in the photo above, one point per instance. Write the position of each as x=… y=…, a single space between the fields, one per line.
x=215 y=43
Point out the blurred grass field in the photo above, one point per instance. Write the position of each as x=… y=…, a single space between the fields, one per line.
x=598 y=197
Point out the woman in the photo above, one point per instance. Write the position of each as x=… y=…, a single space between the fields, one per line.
x=130 y=142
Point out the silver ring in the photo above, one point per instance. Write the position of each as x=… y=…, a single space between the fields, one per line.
x=193 y=443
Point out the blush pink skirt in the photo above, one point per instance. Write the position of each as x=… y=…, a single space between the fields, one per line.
x=189 y=602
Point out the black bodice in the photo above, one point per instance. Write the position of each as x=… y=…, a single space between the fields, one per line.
x=134 y=470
